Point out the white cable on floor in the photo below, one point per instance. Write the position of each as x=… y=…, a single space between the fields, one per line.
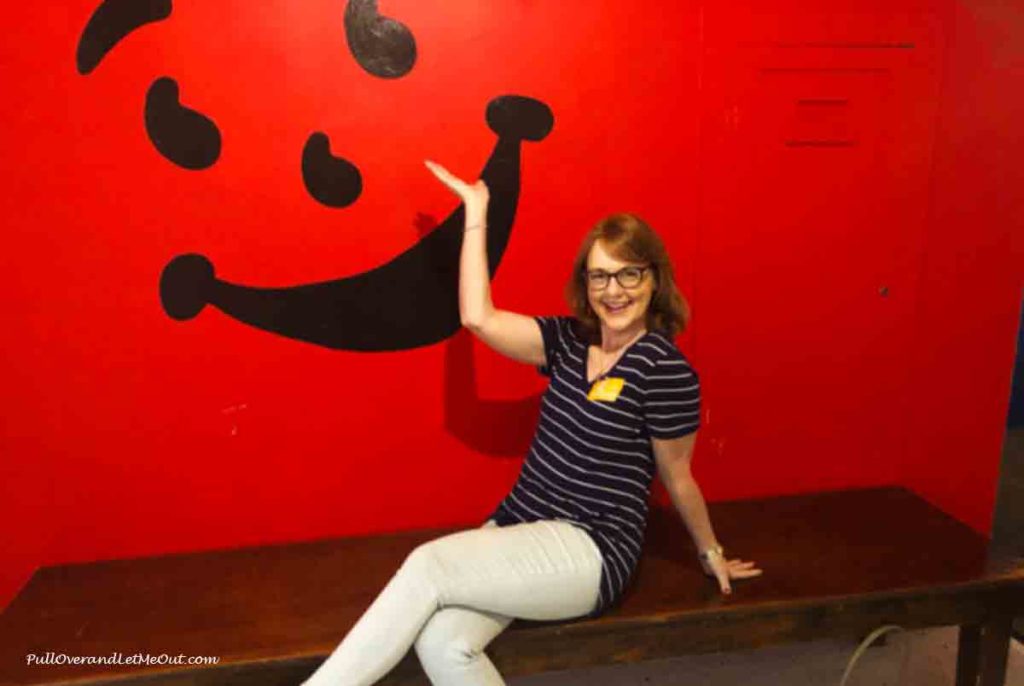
x=867 y=642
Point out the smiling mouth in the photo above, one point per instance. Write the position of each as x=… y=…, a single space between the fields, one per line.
x=408 y=302
x=617 y=308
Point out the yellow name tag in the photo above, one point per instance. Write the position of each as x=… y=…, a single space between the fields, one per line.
x=606 y=390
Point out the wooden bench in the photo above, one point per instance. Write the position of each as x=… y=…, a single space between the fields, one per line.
x=836 y=564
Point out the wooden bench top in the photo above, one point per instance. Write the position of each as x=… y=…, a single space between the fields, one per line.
x=835 y=564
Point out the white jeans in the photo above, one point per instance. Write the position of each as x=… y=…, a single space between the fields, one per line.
x=454 y=594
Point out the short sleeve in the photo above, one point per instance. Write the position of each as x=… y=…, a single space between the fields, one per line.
x=553 y=330
x=672 y=399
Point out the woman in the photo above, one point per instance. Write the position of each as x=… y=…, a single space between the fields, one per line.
x=622 y=402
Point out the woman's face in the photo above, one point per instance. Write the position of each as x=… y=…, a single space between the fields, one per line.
x=621 y=310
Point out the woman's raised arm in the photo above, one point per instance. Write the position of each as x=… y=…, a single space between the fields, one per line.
x=511 y=334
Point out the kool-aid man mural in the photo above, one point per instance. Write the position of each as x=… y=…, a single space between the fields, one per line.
x=379 y=312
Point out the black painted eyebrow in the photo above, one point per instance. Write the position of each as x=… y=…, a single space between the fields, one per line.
x=110 y=23
x=381 y=45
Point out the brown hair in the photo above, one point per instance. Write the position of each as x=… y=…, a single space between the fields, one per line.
x=627 y=237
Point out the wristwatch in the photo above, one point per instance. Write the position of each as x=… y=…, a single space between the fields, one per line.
x=705 y=554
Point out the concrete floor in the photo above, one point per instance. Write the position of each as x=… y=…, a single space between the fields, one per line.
x=930 y=661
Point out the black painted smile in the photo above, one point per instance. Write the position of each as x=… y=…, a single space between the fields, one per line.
x=408 y=302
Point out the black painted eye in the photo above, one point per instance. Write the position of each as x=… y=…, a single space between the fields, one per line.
x=185 y=137
x=112 y=21
x=382 y=46
x=332 y=181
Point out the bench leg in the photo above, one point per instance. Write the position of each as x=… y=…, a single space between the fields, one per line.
x=995 y=647
x=968 y=655
x=982 y=653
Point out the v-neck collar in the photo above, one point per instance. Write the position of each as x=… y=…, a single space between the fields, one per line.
x=586 y=357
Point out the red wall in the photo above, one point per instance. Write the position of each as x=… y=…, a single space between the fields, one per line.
x=971 y=267
x=838 y=191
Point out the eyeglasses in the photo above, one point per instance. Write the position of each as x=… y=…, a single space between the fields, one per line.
x=628 y=277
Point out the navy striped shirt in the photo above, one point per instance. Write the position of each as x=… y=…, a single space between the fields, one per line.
x=591 y=462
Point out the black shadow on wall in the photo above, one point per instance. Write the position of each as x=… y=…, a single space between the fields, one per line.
x=493 y=427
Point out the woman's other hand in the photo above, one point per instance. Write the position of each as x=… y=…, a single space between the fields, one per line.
x=718 y=566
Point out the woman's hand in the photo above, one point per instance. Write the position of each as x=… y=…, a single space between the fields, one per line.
x=718 y=566
x=474 y=196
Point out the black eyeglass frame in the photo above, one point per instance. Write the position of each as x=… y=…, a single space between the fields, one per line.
x=610 y=275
